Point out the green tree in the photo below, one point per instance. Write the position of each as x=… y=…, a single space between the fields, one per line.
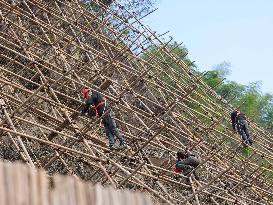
x=257 y=105
x=164 y=61
x=139 y=7
x=230 y=90
x=249 y=98
x=215 y=76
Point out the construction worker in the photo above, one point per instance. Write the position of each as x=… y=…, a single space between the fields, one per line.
x=239 y=121
x=186 y=162
x=99 y=107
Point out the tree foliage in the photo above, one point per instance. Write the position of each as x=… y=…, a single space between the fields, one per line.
x=139 y=7
x=257 y=105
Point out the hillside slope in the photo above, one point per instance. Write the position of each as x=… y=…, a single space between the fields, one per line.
x=51 y=49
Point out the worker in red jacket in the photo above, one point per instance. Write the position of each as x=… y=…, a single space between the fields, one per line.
x=186 y=162
x=96 y=105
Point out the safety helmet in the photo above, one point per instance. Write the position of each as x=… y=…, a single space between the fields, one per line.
x=85 y=92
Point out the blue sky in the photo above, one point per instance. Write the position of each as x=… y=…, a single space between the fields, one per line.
x=235 y=31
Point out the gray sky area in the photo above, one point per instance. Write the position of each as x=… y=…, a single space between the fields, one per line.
x=236 y=31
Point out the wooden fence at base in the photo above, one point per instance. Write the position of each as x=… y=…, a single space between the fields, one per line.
x=21 y=185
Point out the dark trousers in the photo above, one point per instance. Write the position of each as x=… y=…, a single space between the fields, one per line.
x=111 y=129
x=189 y=164
x=243 y=130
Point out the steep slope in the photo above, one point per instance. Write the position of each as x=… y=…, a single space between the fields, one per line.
x=50 y=50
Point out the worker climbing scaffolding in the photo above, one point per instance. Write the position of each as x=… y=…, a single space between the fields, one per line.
x=96 y=105
x=239 y=122
x=187 y=162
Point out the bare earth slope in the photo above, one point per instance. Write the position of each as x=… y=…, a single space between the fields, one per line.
x=50 y=50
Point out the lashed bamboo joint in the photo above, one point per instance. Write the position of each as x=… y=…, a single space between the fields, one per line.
x=51 y=49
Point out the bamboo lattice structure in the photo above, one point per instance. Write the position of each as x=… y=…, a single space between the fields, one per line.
x=51 y=49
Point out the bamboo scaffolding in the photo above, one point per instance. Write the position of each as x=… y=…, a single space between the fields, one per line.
x=59 y=47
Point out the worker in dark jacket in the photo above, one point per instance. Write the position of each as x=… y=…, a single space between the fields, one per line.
x=239 y=121
x=95 y=105
x=186 y=162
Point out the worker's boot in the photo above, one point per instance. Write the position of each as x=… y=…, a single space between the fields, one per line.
x=123 y=146
x=196 y=175
x=250 y=141
x=245 y=144
x=187 y=181
x=113 y=147
x=177 y=177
